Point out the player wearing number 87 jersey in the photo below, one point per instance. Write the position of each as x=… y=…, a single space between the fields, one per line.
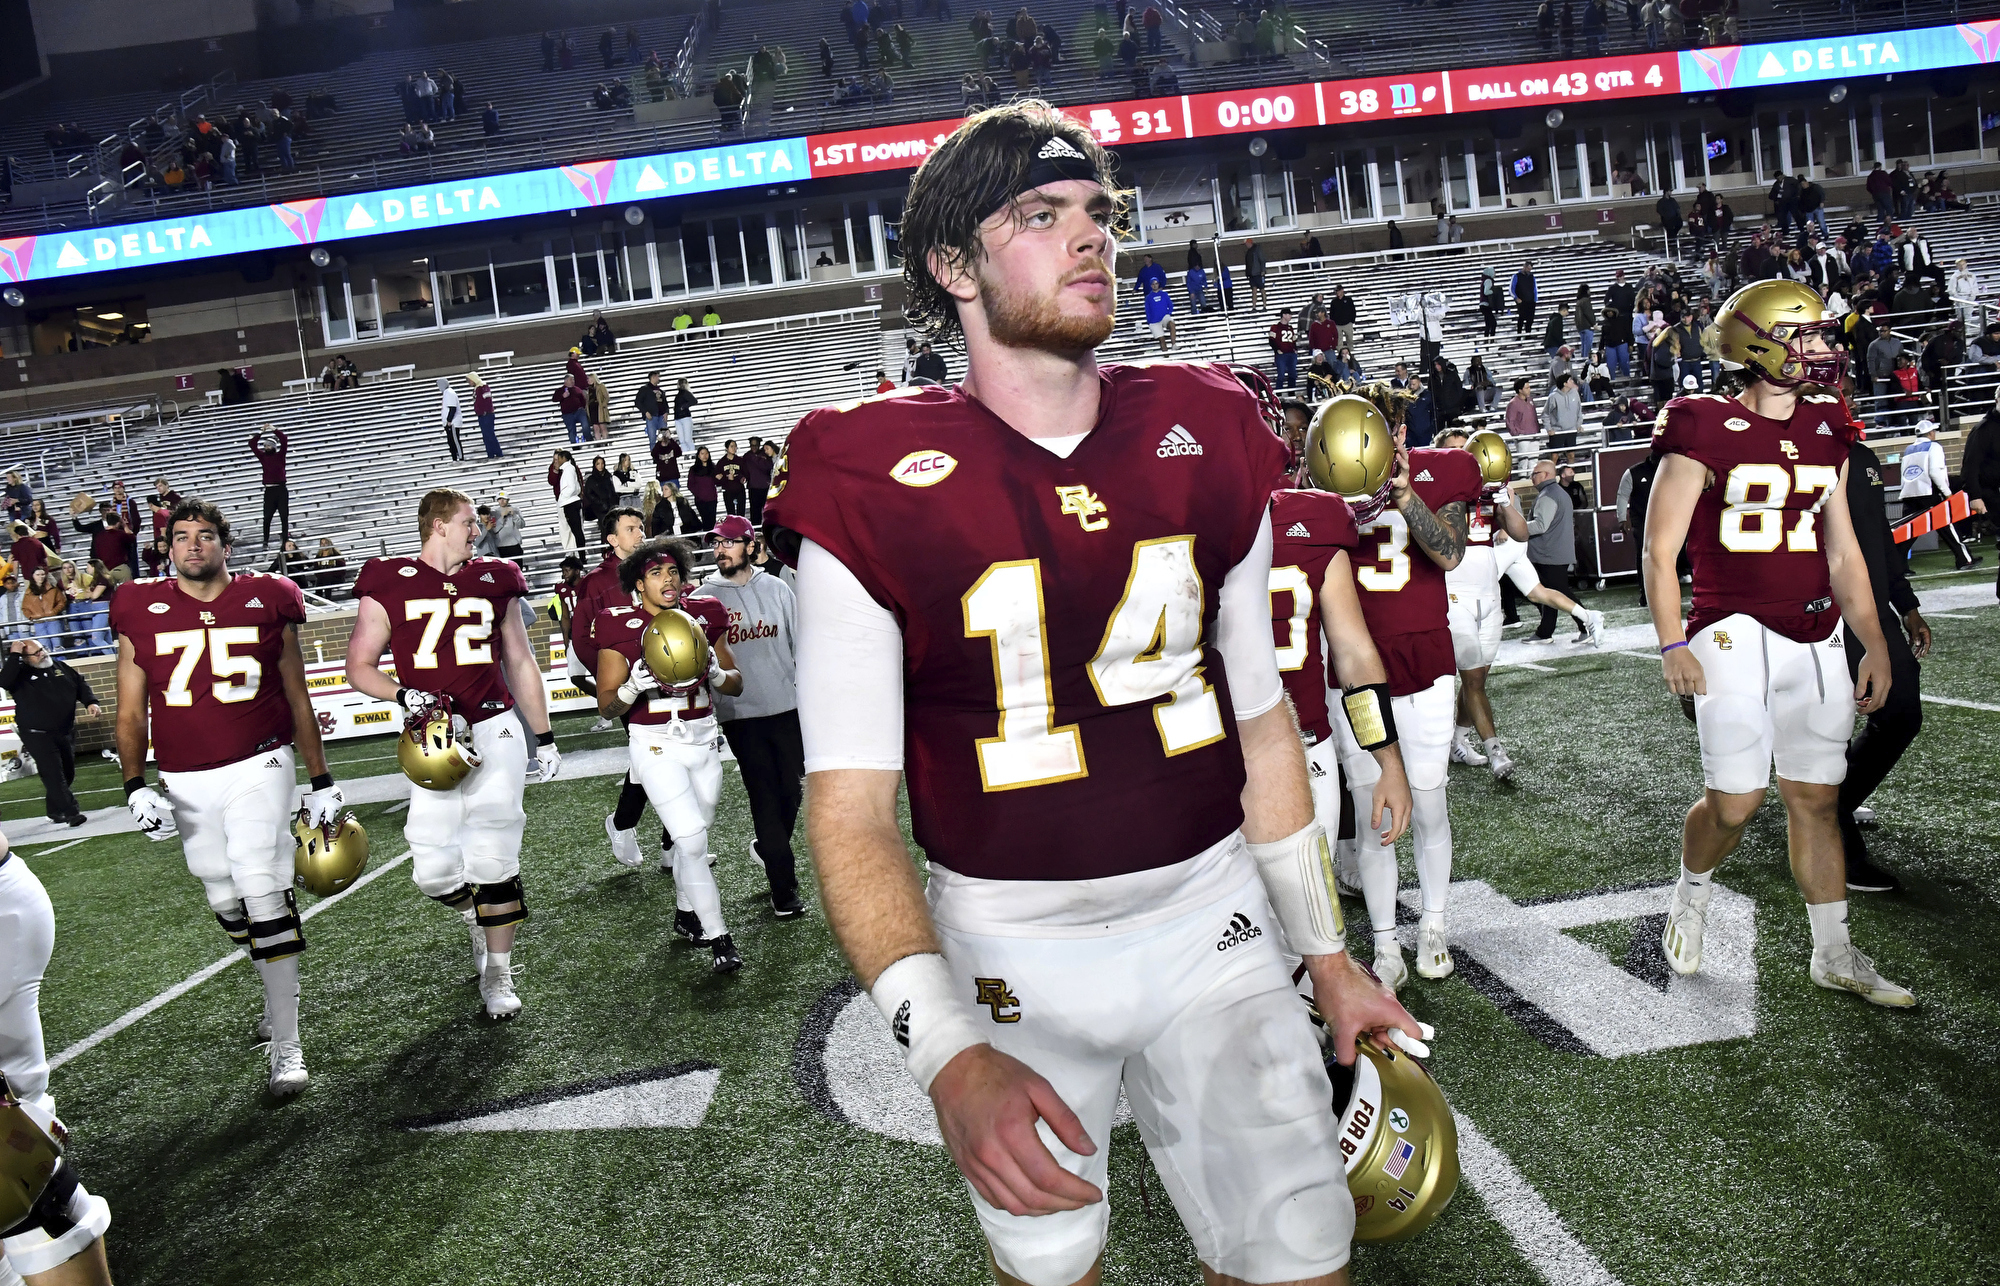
x=1046 y=592
x=448 y=619
x=1754 y=486
x=210 y=661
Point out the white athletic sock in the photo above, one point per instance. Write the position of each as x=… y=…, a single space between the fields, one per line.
x=1829 y=924
x=1696 y=888
x=1493 y=743
x=1461 y=732
x=1377 y=862
x=1430 y=833
x=281 y=996
x=1346 y=863
x=694 y=881
x=499 y=961
x=1386 y=944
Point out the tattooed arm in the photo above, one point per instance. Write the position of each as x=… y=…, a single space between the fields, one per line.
x=1441 y=534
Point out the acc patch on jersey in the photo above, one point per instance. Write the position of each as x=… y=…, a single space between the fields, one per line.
x=923 y=468
x=1736 y=424
x=158 y=609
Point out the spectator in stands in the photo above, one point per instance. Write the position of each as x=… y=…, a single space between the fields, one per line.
x=573 y=400
x=730 y=479
x=1524 y=299
x=19 y=498
x=667 y=458
x=600 y=491
x=626 y=477
x=1253 y=272
x=651 y=404
x=1597 y=378
x=90 y=609
x=1903 y=187
x=489 y=121
x=290 y=561
x=131 y=515
x=236 y=388
x=1197 y=286
x=1420 y=418
x=703 y=486
x=28 y=552
x=1562 y=412
x=607 y=47
x=684 y=403
x=1882 y=354
x=567 y=484
x=1479 y=382
x=448 y=413
x=43 y=603
x=1284 y=340
x=1351 y=364
x=157 y=556
x=270 y=448
x=930 y=367
x=1321 y=334
x=1962 y=288
x=508 y=526
x=1556 y=333
x=1559 y=364
x=1321 y=376
x=42 y=525
x=711 y=320
x=758 y=466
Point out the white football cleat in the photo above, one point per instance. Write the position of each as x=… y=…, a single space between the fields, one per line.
x=1593 y=626
x=478 y=934
x=288 y=1068
x=1680 y=937
x=1844 y=968
x=1501 y=763
x=1388 y=962
x=1433 y=956
x=1462 y=752
x=624 y=844
x=603 y=724
x=496 y=989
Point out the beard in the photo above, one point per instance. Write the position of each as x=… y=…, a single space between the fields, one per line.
x=1024 y=320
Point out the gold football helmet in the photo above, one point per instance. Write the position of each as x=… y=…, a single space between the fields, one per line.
x=675 y=648
x=1763 y=327
x=1496 y=462
x=329 y=859
x=1351 y=452
x=1397 y=1139
x=432 y=754
x=30 y=1150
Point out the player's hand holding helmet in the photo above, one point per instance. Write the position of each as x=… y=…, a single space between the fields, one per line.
x=417 y=705
x=330 y=856
x=323 y=805
x=548 y=760
x=152 y=812
x=437 y=753
x=31 y=1147
x=1397 y=1139
x=1351 y=452
x=637 y=684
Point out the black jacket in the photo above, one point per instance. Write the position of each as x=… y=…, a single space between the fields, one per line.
x=45 y=700
x=1979 y=470
x=1888 y=570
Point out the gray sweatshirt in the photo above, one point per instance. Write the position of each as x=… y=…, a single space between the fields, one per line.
x=763 y=636
x=1551 y=527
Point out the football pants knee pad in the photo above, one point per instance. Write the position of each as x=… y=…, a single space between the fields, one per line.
x=500 y=904
x=274 y=925
x=459 y=899
x=61 y=1225
x=235 y=922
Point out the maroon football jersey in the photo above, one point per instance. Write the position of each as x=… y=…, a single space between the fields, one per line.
x=623 y=629
x=1403 y=592
x=1307 y=529
x=1754 y=541
x=211 y=668
x=444 y=631
x=597 y=591
x=1064 y=717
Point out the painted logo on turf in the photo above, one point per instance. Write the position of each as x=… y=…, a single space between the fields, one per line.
x=923 y=468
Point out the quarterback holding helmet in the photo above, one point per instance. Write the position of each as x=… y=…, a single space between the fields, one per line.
x=51 y=1227
x=462 y=661
x=1404 y=498
x=656 y=665
x=1755 y=487
x=1045 y=593
x=197 y=653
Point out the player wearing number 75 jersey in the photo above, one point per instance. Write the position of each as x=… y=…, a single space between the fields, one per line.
x=448 y=619
x=210 y=661
x=1754 y=486
x=1044 y=594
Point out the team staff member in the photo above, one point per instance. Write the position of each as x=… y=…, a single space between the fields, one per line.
x=762 y=724
x=46 y=693
x=1888 y=732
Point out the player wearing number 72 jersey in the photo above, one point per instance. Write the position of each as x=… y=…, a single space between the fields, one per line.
x=210 y=661
x=449 y=619
x=1755 y=487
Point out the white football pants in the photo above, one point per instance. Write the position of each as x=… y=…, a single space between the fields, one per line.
x=471 y=834
x=680 y=767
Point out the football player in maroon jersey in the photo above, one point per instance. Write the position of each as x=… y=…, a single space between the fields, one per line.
x=1006 y=589
x=1755 y=487
x=196 y=655
x=1322 y=639
x=675 y=744
x=622 y=531
x=449 y=619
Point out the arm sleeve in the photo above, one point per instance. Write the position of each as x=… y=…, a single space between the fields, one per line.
x=1624 y=495
x=850 y=669
x=1243 y=630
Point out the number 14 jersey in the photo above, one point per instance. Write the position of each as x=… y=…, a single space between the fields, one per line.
x=1066 y=716
x=444 y=630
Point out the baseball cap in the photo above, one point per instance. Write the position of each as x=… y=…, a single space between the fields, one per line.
x=1691 y=382
x=733 y=527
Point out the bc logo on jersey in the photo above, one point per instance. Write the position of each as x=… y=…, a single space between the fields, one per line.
x=1079 y=501
x=1722 y=643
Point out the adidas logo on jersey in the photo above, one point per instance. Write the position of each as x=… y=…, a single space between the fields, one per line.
x=255 y=602
x=1178 y=442
x=1825 y=431
x=1240 y=931
x=1425 y=476
x=1297 y=531
x=488 y=578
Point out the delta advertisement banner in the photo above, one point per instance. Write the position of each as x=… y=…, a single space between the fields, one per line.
x=320 y=220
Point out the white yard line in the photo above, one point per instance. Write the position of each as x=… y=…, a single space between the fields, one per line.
x=59 y=848
x=1538 y=1232
x=1963 y=705
x=203 y=974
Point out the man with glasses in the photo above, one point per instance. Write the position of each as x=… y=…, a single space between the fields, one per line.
x=46 y=693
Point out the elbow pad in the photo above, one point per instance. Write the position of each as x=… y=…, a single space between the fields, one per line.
x=1371 y=715
x=1298 y=875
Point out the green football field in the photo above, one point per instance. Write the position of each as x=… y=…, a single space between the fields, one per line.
x=1817 y=1141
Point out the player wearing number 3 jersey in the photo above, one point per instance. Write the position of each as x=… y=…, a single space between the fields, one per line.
x=1754 y=487
x=449 y=620
x=1044 y=595
x=210 y=662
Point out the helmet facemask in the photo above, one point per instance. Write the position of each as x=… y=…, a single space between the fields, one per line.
x=1799 y=367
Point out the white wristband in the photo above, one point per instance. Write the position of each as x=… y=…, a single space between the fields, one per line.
x=1298 y=877
x=916 y=995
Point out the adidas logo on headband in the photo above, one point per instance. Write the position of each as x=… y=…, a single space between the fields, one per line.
x=1056 y=147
